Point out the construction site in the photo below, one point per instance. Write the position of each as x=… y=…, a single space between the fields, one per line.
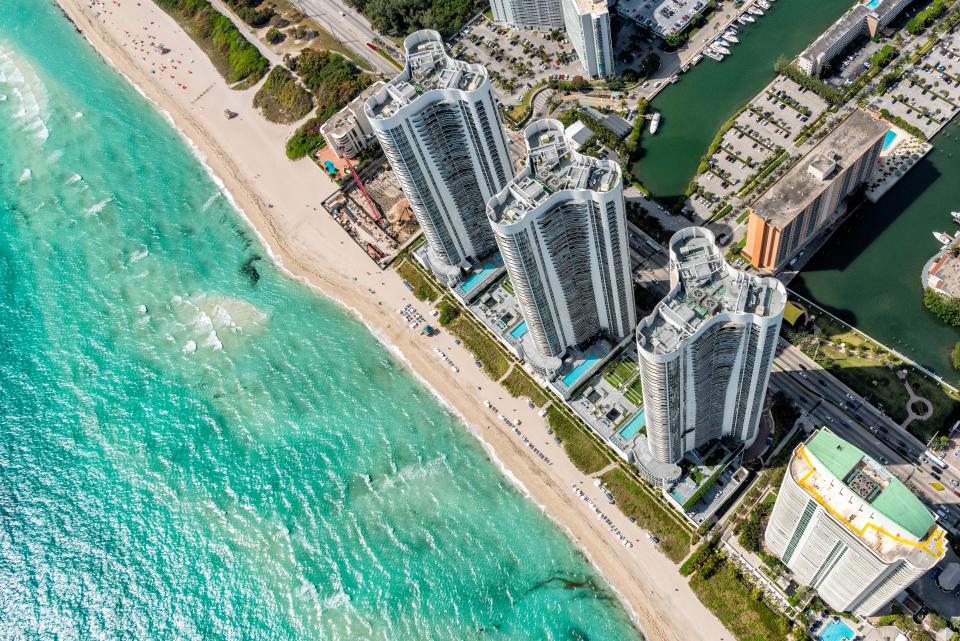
x=371 y=207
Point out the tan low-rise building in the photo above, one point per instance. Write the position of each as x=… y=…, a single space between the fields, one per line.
x=348 y=132
x=808 y=197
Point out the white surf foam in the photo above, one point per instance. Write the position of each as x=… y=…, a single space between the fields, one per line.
x=25 y=176
x=95 y=209
x=74 y=178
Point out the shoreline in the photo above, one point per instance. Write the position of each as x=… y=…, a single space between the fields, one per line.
x=245 y=159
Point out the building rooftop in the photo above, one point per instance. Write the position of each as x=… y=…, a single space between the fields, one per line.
x=428 y=67
x=868 y=499
x=552 y=166
x=705 y=287
x=585 y=7
x=345 y=119
x=809 y=178
x=851 y=20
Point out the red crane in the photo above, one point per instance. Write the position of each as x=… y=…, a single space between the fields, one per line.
x=374 y=212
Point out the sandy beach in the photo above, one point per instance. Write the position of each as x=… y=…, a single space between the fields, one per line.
x=281 y=200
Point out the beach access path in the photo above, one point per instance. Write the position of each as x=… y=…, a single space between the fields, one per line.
x=281 y=200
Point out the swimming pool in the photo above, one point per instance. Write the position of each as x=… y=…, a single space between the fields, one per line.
x=873 y=4
x=835 y=631
x=579 y=371
x=518 y=331
x=889 y=138
x=635 y=425
x=477 y=277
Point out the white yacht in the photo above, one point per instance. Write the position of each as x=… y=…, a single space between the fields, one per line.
x=956 y=216
x=944 y=238
x=746 y=17
x=729 y=37
x=655 y=122
x=755 y=10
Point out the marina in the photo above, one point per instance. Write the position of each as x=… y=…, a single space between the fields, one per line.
x=670 y=158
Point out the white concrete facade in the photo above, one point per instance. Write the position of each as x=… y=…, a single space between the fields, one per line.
x=438 y=124
x=588 y=27
x=349 y=132
x=542 y=15
x=562 y=231
x=706 y=350
x=833 y=539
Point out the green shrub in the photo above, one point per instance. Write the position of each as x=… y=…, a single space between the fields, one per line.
x=275 y=36
x=448 y=312
x=306 y=139
x=333 y=79
x=919 y=23
x=400 y=17
x=946 y=308
x=281 y=98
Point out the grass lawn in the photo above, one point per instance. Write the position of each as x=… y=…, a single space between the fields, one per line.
x=728 y=598
x=519 y=383
x=485 y=349
x=619 y=372
x=650 y=512
x=325 y=40
x=865 y=371
x=634 y=393
x=585 y=454
x=423 y=289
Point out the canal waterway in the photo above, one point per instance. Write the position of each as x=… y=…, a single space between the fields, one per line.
x=869 y=272
x=694 y=108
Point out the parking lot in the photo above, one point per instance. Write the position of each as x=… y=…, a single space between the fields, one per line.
x=662 y=17
x=516 y=60
x=928 y=94
x=766 y=130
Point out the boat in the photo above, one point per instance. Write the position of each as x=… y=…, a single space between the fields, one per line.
x=655 y=122
x=944 y=238
x=956 y=216
x=757 y=11
x=763 y=4
x=710 y=53
x=729 y=37
x=696 y=59
x=746 y=17
x=719 y=48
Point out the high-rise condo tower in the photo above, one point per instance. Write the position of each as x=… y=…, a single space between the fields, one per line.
x=562 y=231
x=438 y=125
x=705 y=352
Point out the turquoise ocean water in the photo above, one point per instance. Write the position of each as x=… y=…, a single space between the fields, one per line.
x=193 y=446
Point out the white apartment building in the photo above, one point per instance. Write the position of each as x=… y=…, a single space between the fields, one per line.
x=438 y=125
x=849 y=528
x=587 y=23
x=542 y=15
x=349 y=132
x=562 y=231
x=705 y=354
x=864 y=19
x=588 y=27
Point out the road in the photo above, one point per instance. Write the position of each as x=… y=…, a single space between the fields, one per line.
x=836 y=406
x=350 y=27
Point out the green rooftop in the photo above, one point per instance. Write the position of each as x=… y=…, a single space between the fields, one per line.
x=895 y=501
